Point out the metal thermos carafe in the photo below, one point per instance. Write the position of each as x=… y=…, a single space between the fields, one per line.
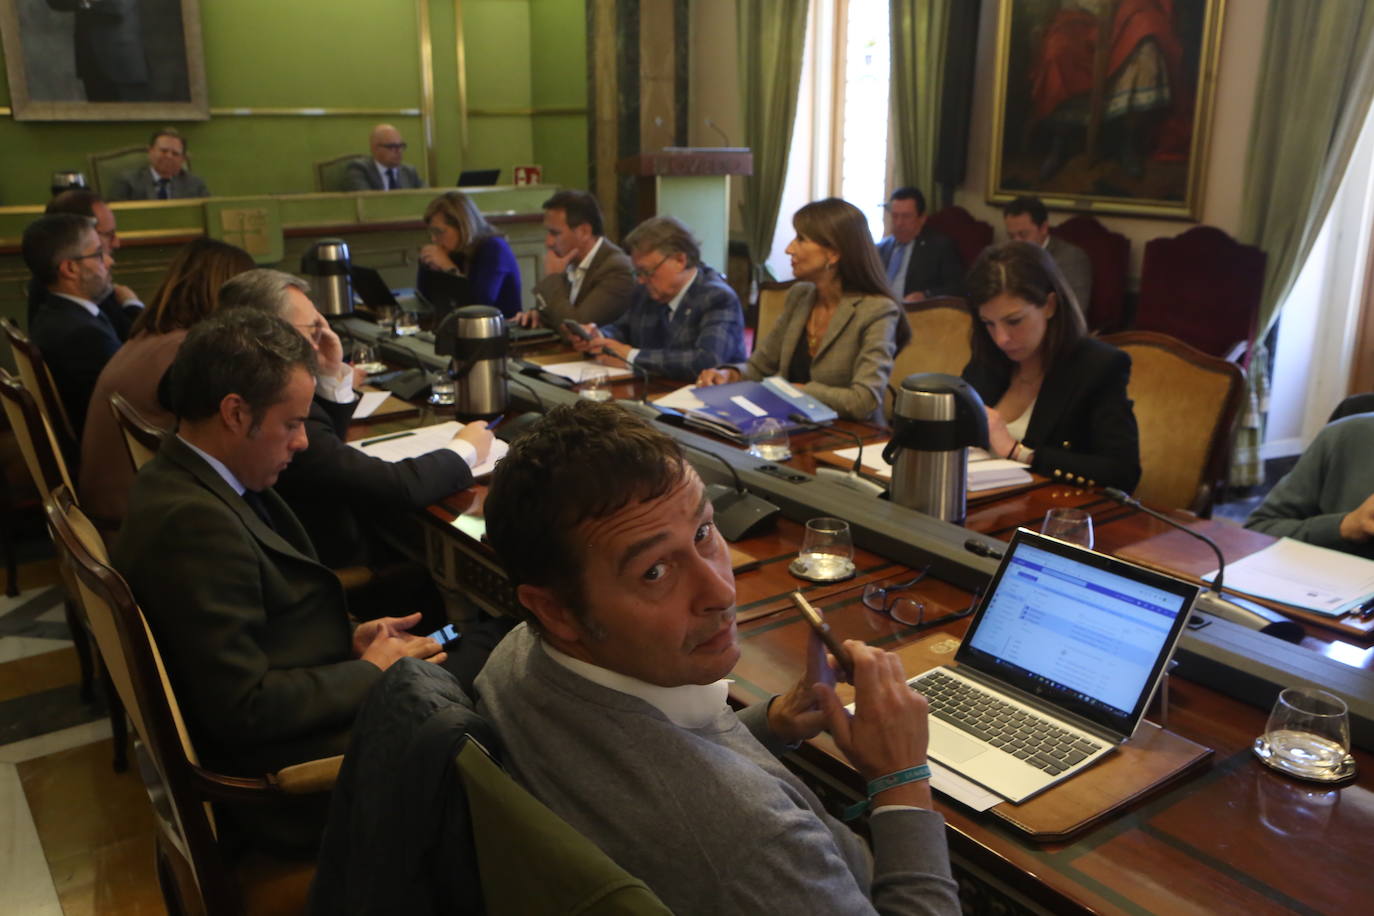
x=326 y=264
x=935 y=419
x=475 y=336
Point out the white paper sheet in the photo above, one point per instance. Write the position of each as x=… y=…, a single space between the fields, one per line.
x=416 y=442
x=983 y=473
x=582 y=369
x=369 y=402
x=682 y=399
x=1305 y=575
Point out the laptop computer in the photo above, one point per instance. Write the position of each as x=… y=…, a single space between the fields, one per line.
x=478 y=178
x=370 y=287
x=1060 y=660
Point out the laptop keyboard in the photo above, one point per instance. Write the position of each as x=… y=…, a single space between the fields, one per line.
x=1024 y=735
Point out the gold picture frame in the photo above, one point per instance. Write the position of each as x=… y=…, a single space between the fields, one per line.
x=104 y=60
x=1119 y=127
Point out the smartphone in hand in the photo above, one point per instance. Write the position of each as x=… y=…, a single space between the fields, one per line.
x=446 y=637
x=574 y=328
x=822 y=629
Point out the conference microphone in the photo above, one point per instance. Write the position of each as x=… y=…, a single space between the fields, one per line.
x=1246 y=613
x=738 y=513
x=644 y=407
x=639 y=371
x=851 y=478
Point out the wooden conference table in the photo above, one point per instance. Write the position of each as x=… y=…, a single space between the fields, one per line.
x=1227 y=836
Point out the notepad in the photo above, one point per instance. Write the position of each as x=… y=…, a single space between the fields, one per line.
x=1328 y=582
x=416 y=442
x=581 y=370
x=984 y=471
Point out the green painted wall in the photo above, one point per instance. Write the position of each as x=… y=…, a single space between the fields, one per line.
x=345 y=54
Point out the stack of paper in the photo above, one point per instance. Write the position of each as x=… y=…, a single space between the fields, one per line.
x=583 y=369
x=1329 y=582
x=416 y=442
x=984 y=471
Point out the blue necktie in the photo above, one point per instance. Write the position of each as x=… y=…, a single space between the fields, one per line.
x=164 y=189
x=391 y=183
x=894 y=266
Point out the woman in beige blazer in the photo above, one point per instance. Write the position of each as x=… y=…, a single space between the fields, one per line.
x=841 y=326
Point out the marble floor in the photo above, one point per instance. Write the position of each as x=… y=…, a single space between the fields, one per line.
x=75 y=837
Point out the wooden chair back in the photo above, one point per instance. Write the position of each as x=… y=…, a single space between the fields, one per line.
x=1110 y=255
x=772 y=298
x=970 y=235
x=329 y=173
x=1185 y=405
x=35 y=436
x=1353 y=404
x=940 y=340
x=1204 y=288
x=34 y=372
x=192 y=869
x=142 y=439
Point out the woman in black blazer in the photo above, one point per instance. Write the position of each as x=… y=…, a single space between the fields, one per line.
x=1056 y=398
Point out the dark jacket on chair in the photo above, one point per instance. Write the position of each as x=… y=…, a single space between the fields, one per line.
x=1082 y=427
x=76 y=345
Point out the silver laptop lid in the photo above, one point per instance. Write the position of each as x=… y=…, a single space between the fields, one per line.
x=1086 y=632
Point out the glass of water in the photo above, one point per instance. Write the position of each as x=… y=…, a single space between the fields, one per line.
x=1072 y=525
x=407 y=323
x=365 y=358
x=827 y=551
x=1308 y=733
x=596 y=383
x=443 y=390
x=768 y=440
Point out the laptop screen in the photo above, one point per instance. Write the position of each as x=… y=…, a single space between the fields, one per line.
x=1084 y=631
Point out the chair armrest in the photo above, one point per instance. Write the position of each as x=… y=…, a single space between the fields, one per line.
x=298 y=779
x=309 y=777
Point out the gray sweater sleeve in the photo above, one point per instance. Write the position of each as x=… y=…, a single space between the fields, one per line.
x=1294 y=507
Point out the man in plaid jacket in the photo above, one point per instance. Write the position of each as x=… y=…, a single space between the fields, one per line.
x=683 y=318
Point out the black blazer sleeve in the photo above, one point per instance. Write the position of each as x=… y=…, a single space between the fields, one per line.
x=1083 y=427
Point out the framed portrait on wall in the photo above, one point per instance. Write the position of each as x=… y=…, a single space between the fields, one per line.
x=104 y=60
x=1105 y=105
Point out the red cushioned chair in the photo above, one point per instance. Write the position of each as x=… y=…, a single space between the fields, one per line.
x=1110 y=254
x=970 y=235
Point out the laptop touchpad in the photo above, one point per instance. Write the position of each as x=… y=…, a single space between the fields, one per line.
x=952 y=746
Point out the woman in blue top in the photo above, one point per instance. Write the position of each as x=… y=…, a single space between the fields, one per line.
x=466 y=262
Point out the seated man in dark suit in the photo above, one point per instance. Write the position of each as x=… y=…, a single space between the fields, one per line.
x=166 y=177
x=682 y=319
x=1027 y=220
x=384 y=170
x=341 y=495
x=122 y=306
x=920 y=261
x=586 y=277
x=255 y=633
x=72 y=265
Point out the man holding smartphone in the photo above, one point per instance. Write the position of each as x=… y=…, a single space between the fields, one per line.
x=611 y=703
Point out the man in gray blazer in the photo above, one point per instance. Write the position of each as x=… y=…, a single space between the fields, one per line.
x=166 y=177
x=1027 y=220
x=384 y=171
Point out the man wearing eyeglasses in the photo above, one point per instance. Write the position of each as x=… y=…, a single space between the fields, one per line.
x=165 y=177
x=72 y=265
x=384 y=171
x=122 y=306
x=682 y=318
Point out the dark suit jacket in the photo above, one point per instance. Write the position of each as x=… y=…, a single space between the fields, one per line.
x=138 y=184
x=361 y=175
x=603 y=297
x=121 y=316
x=1082 y=427
x=339 y=493
x=76 y=345
x=253 y=629
x=935 y=267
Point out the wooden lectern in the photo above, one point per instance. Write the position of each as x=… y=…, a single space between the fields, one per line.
x=693 y=185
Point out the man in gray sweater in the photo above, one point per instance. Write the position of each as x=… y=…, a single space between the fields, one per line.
x=611 y=699
x=1328 y=497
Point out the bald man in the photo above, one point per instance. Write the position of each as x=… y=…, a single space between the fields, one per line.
x=384 y=171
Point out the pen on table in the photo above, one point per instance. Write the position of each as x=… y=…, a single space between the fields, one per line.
x=1366 y=610
x=495 y=421
x=387 y=438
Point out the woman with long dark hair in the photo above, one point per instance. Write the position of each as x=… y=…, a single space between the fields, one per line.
x=188 y=295
x=841 y=326
x=1056 y=398
x=466 y=261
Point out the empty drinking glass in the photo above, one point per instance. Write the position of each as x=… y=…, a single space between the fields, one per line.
x=1072 y=525
x=407 y=323
x=768 y=440
x=596 y=384
x=1308 y=734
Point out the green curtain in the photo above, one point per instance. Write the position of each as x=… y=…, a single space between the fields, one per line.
x=918 y=30
x=772 y=39
x=1313 y=96
x=1311 y=102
